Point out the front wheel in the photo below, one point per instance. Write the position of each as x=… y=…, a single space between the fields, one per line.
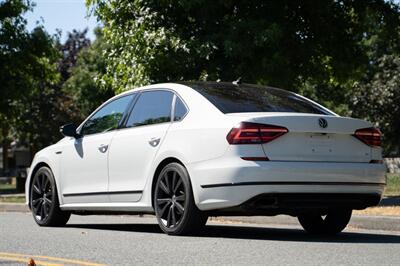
x=334 y=222
x=176 y=211
x=44 y=200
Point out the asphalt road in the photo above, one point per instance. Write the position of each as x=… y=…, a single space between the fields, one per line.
x=132 y=240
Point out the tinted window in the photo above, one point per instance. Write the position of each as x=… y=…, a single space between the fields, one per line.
x=180 y=109
x=229 y=98
x=152 y=107
x=108 y=117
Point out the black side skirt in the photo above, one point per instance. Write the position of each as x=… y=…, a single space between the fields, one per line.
x=102 y=193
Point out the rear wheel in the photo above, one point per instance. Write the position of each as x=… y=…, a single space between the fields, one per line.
x=44 y=200
x=176 y=211
x=334 y=222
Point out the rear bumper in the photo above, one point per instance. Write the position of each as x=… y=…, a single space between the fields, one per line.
x=230 y=182
x=297 y=203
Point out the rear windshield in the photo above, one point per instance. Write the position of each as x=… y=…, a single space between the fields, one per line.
x=229 y=98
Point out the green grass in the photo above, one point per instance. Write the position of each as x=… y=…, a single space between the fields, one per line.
x=6 y=189
x=393 y=185
x=6 y=186
x=12 y=199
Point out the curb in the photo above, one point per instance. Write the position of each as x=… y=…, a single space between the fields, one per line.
x=13 y=207
x=385 y=223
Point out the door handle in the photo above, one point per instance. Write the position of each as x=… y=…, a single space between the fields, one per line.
x=103 y=148
x=154 y=141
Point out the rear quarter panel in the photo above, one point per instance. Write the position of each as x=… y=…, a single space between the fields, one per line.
x=201 y=135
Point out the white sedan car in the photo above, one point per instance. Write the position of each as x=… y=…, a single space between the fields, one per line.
x=198 y=149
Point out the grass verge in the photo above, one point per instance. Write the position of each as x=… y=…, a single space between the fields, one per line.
x=7 y=187
x=393 y=185
x=12 y=199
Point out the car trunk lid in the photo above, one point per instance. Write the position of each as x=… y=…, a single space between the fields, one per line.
x=314 y=138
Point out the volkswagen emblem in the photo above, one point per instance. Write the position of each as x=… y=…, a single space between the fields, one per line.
x=323 y=123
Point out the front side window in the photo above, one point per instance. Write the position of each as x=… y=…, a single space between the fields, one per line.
x=152 y=107
x=108 y=117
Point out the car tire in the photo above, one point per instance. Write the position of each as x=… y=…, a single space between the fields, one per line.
x=334 y=222
x=43 y=200
x=176 y=211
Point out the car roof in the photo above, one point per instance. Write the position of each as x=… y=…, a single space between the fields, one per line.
x=190 y=84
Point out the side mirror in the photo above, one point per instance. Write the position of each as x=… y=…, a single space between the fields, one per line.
x=69 y=130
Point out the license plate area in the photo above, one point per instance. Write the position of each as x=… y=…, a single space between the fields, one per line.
x=320 y=143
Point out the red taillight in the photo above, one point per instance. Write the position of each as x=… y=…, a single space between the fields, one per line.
x=370 y=136
x=252 y=133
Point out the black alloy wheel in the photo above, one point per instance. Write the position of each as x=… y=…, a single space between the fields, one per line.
x=175 y=209
x=332 y=223
x=44 y=200
x=171 y=199
x=42 y=196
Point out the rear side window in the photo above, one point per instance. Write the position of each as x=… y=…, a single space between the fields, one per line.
x=229 y=98
x=152 y=107
x=180 y=109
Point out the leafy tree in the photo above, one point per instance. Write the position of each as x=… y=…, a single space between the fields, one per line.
x=75 y=42
x=12 y=38
x=377 y=34
x=46 y=106
x=318 y=48
x=41 y=110
x=377 y=98
x=25 y=57
x=64 y=91
x=33 y=67
x=82 y=84
x=279 y=43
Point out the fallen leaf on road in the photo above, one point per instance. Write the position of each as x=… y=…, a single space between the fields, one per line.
x=31 y=262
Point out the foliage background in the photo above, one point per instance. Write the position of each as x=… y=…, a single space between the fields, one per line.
x=335 y=52
x=341 y=53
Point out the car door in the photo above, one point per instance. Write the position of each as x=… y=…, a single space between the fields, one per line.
x=84 y=166
x=134 y=147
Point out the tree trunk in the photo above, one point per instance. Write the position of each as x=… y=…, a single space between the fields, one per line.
x=5 y=145
x=32 y=151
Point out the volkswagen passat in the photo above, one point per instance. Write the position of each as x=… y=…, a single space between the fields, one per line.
x=198 y=149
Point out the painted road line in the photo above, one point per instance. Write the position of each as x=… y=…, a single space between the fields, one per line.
x=26 y=261
x=55 y=259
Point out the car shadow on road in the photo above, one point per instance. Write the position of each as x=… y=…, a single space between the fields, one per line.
x=254 y=233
